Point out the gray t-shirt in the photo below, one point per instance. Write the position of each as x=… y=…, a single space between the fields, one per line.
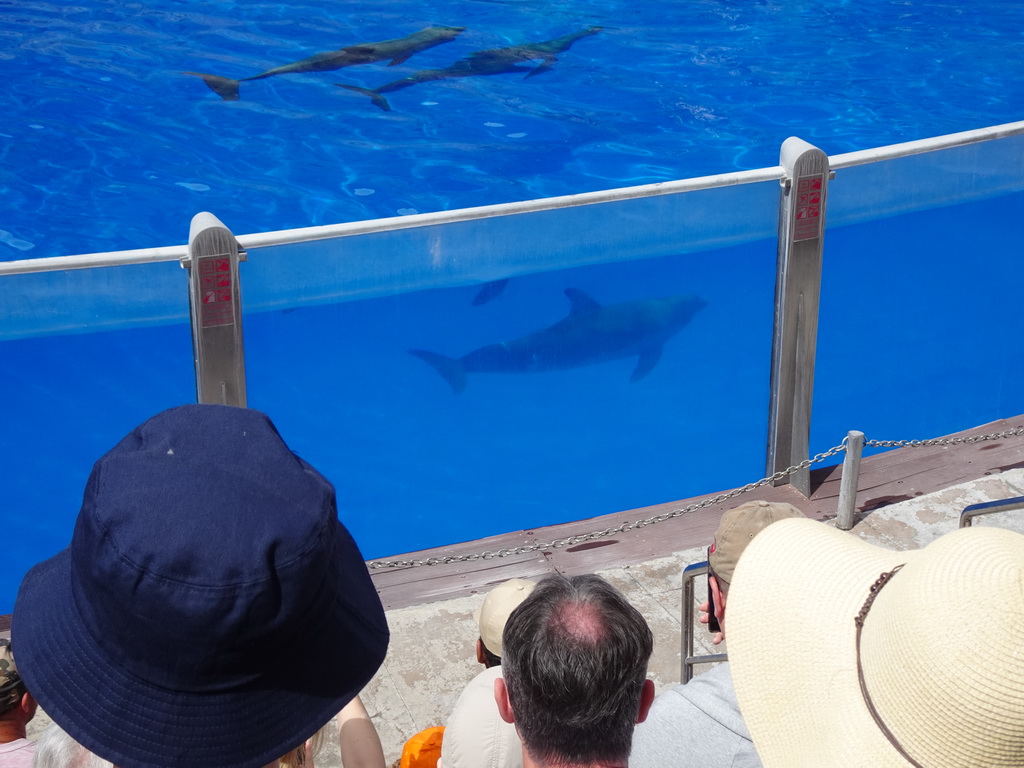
x=697 y=725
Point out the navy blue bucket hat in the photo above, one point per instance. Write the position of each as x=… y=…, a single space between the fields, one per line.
x=211 y=610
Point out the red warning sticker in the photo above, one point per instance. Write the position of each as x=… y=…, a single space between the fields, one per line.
x=808 y=207
x=215 y=291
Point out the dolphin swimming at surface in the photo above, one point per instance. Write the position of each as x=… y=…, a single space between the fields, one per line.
x=591 y=333
x=493 y=61
x=398 y=50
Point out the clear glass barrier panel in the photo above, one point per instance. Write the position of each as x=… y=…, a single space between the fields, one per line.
x=557 y=431
x=70 y=391
x=920 y=328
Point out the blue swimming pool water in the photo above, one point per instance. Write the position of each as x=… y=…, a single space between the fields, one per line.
x=918 y=337
x=106 y=145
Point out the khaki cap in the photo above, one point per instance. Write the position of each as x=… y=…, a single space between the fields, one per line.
x=737 y=529
x=496 y=608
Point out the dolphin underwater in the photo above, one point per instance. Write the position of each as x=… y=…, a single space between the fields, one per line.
x=398 y=50
x=489 y=291
x=493 y=61
x=591 y=333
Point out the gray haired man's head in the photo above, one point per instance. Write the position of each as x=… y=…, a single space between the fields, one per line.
x=575 y=668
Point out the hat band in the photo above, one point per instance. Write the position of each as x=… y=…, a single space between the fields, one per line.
x=880 y=582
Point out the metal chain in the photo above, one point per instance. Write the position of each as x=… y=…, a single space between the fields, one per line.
x=944 y=440
x=628 y=526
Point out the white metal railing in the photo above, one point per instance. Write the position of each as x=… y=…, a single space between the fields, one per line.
x=307 y=234
x=863 y=156
x=331 y=231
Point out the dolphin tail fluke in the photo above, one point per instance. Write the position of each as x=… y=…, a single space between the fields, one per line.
x=378 y=100
x=224 y=87
x=451 y=370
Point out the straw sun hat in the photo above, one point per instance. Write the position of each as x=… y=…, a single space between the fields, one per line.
x=941 y=649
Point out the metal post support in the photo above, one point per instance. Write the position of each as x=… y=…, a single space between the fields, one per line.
x=216 y=303
x=687 y=657
x=990 y=507
x=797 y=292
x=848 y=483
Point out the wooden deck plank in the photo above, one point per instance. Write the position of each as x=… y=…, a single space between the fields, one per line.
x=885 y=478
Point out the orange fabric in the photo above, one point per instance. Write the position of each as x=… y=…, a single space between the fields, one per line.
x=423 y=750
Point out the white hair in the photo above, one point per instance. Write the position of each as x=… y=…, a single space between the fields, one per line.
x=55 y=749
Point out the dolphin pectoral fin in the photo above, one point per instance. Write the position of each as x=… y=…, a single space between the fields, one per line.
x=581 y=304
x=645 y=363
x=544 y=66
x=451 y=370
x=224 y=87
x=489 y=291
x=401 y=59
x=378 y=101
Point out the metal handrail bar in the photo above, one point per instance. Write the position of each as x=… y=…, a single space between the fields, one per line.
x=90 y=260
x=988 y=508
x=326 y=232
x=688 y=660
x=920 y=146
x=306 y=234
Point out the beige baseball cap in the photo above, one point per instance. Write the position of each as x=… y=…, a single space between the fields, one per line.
x=738 y=527
x=494 y=611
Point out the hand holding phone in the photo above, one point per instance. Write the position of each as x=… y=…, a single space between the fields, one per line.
x=712 y=622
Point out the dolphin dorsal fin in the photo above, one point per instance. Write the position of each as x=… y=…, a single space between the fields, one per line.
x=581 y=303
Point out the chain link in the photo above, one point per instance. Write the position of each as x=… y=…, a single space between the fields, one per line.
x=570 y=541
x=944 y=440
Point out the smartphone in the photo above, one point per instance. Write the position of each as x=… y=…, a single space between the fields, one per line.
x=712 y=624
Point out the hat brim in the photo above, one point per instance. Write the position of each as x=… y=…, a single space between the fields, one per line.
x=135 y=724
x=792 y=645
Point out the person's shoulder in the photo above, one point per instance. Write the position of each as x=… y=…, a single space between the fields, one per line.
x=475 y=734
x=483 y=681
x=479 y=692
x=716 y=681
x=19 y=753
x=719 y=676
x=488 y=675
x=18 y=744
x=698 y=724
x=711 y=689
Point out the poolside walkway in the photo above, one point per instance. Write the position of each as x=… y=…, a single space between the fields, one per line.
x=906 y=498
